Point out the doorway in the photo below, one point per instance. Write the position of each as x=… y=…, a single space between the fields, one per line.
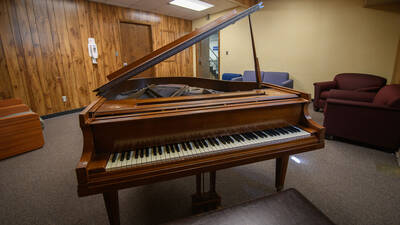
x=208 y=57
x=136 y=42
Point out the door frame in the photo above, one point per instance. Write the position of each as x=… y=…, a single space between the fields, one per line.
x=396 y=70
x=197 y=47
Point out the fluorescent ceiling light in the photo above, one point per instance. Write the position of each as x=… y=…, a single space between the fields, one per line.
x=196 y=5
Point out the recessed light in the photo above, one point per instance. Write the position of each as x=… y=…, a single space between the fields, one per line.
x=196 y=5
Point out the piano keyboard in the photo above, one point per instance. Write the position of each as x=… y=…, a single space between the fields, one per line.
x=198 y=147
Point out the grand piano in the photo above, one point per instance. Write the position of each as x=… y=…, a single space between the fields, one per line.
x=145 y=130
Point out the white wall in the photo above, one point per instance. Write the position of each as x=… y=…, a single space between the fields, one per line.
x=313 y=40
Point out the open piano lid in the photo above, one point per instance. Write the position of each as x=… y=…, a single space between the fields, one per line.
x=171 y=49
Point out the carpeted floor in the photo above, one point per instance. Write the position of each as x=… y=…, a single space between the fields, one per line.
x=349 y=183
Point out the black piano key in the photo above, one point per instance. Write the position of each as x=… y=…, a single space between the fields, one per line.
x=240 y=137
x=265 y=133
x=141 y=153
x=295 y=128
x=230 y=139
x=273 y=132
x=171 y=148
x=227 y=139
x=122 y=156
x=159 y=148
x=147 y=152
x=137 y=153
x=211 y=141
x=189 y=146
x=246 y=135
x=177 y=147
x=215 y=141
x=260 y=134
x=250 y=136
x=288 y=129
x=200 y=144
x=257 y=134
x=167 y=149
x=283 y=131
x=154 y=150
x=184 y=146
x=268 y=132
x=236 y=137
x=128 y=156
x=221 y=139
x=195 y=144
x=115 y=156
x=204 y=142
x=279 y=131
x=253 y=135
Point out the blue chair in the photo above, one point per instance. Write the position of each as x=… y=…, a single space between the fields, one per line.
x=248 y=76
x=278 y=78
x=230 y=76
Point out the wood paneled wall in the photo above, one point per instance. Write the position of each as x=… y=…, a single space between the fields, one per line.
x=44 y=53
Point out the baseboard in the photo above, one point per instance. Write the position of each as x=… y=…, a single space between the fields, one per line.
x=398 y=157
x=61 y=113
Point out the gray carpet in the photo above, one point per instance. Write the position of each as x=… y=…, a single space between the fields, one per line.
x=349 y=183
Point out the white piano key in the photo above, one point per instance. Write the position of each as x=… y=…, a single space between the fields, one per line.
x=123 y=162
x=109 y=162
x=260 y=141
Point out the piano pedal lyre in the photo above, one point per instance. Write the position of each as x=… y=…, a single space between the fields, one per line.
x=205 y=201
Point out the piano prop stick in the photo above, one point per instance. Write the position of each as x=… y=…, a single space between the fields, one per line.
x=145 y=130
x=256 y=63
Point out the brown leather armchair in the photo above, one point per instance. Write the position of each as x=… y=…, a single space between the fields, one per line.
x=375 y=122
x=20 y=128
x=349 y=85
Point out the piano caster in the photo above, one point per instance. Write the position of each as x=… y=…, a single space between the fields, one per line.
x=205 y=201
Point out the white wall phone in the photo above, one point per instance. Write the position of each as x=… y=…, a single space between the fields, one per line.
x=93 y=50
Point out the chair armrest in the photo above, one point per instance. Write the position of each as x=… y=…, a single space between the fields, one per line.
x=9 y=102
x=4 y=111
x=352 y=95
x=322 y=86
x=288 y=83
x=237 y=79
x=326 y=85
x=333 y=101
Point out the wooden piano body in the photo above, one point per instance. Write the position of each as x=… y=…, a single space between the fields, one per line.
x=113 y=126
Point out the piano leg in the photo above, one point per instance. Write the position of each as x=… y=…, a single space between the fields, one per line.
x=112 y=206
x=280 y=171
x=205 y=201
